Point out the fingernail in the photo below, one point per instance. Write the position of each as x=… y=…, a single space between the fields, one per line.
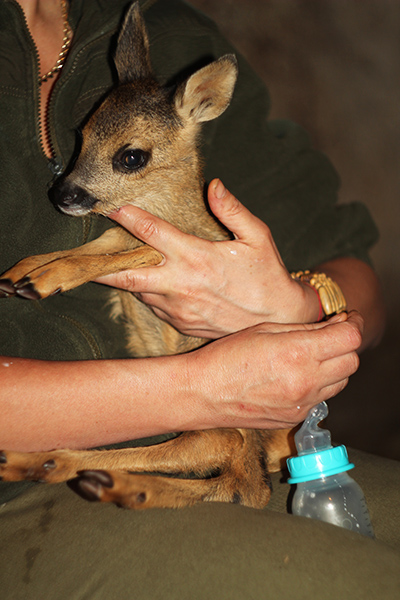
x=220 y=190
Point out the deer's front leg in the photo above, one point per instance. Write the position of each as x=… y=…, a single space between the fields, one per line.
x=47 y=274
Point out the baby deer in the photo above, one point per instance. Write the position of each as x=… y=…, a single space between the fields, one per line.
x=141 y=147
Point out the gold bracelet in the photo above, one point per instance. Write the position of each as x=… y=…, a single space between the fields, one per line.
x=330 y=295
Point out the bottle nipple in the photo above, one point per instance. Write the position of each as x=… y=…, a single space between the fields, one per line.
x=310 y=437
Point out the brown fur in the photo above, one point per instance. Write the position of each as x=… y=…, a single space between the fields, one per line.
x=159 y=132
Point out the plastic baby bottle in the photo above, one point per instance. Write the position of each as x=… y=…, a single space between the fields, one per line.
x=325 y=491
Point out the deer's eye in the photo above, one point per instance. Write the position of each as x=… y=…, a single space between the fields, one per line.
x=130 y=160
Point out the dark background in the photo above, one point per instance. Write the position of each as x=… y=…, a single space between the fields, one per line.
x=334 y=67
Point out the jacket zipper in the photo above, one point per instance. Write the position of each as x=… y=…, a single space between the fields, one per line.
x=55 y=162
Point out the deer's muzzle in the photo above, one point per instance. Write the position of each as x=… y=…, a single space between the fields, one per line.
x=71 y=198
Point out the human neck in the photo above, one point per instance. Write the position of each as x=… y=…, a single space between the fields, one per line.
x=40 y=11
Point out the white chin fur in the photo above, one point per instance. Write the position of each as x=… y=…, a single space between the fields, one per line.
x=74 y=211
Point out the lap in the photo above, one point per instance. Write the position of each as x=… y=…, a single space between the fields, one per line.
x=54 y=545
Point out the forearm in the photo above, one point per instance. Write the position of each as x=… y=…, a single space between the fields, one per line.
x=47 y=405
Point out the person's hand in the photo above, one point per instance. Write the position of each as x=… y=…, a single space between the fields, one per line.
x=210 y=289
x=270 y=375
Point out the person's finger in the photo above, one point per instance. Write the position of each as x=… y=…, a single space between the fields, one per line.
x=135 y=280
x=150 y=229
x=330 y=391
x=336 y=370
x=339 y=337
x=236 y=217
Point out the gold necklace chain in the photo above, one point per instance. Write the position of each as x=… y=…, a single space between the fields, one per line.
x=67 y=38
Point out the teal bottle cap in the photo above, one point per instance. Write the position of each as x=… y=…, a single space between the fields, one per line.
x=316 y=465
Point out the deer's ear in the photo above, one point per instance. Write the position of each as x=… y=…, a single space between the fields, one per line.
x=132 y=58
x=207 y=93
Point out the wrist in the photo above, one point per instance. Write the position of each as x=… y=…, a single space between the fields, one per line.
x=194 y=407
x=330 y=298
x=312 y=308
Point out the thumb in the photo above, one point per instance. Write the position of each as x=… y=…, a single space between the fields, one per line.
x=236 y=217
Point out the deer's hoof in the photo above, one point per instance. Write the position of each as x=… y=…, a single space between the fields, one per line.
x=25 y=289
x=6 y=288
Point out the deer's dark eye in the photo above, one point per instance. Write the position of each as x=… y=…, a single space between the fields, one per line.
x=130 y=160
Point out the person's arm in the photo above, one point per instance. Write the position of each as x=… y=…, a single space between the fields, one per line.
x=211 y=289
x=267 y=376
x=362 y=290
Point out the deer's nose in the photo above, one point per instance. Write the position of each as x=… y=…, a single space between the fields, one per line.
x=71 y=198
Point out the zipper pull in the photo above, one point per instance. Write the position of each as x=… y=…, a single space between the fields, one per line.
x=56 y=166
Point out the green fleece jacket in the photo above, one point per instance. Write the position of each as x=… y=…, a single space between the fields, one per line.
x=270 y=166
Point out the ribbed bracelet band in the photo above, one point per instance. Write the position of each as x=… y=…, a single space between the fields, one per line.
x=330 y=296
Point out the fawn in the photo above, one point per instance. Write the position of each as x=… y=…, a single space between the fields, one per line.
x=140 y=147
